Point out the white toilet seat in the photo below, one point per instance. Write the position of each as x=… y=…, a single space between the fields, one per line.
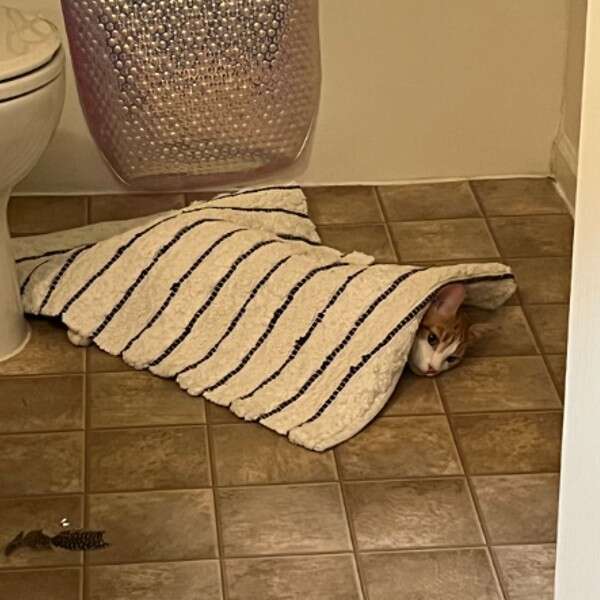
x=29 y=82
x=31 y=52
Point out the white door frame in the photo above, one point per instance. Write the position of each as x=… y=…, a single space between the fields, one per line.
x=578 y=544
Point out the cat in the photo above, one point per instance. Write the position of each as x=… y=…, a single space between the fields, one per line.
x=444 y=333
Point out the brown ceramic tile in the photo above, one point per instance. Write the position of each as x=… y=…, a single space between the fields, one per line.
x=130 y=206
x=557 y=366
x=256 y=455
x=519 y=509
x=41 y=404
x=48 y=351
x=154 y=526
x=343 y=204
x=282 y=519
x=148 y=458
x=442 y=240
x=503 y=383
x=190 y=580
x=518 y=196
x=369 y=239
x=400 y=514
x=543 y=235
x=510 y=442
x=55 y=584
x=550 y=322
x=509 y=333
x=413 y=395
x=448 y=200
x=42 y=463
x=30 y=215
x=429 y=575
x=25 y=514
x=331 y=577
x=527 y=571
x=102 y=362
x=220 y=414
x=542 y=280
x=134 y=398
x=400 y=447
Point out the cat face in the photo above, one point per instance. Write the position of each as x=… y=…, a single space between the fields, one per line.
x=444 y=334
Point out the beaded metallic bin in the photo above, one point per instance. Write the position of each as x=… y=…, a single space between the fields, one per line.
x=182 y=93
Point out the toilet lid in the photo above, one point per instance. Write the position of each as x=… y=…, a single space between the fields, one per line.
x=27 y=42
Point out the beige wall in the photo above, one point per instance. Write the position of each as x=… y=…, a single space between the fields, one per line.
x=574 y=70
x=412 y=89
x=564 y=157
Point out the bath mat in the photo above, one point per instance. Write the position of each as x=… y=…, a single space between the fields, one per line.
x=238 y=301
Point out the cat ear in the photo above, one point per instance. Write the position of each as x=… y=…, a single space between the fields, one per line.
x=479 y=330
x=449 y=299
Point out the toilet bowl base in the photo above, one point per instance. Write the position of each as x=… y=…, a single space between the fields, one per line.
x=14 y=329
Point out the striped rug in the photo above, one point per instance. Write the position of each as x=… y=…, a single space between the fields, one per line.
x=238 y=301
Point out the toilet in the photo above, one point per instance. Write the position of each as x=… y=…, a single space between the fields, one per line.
x=32 y=91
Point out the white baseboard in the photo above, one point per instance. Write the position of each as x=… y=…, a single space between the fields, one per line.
x=309 y=184
x=564 y=169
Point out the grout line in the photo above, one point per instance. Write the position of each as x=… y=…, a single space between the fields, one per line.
x=526 y=312
x=474 y=499
x=369 y=551
x=97 y=565
x=495 y=567
x=524 y=309
x=40 y=375
x=84 y=585
x=87 y=209
x=386 y=226
x=350 y=525
x=219 y=531
x=475 y=195
x=191 y=425
x=485 y=219
x=483 y=215
x=199 y=425
x=241 y=486
x=348 y=225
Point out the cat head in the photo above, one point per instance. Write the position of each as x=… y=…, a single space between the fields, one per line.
x=444 y=333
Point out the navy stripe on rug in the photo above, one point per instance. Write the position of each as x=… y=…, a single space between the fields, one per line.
x=56 y=280
x=177 y=284
x=114 y=259
x=301 y=341
x=284 y=211
x=231 y=327
x=50 y=253
x=345 y=341
x=272 y=323
x=254 y=191
x=297 y=238
x=30 y=275
x=215 y=292
x=181 y=233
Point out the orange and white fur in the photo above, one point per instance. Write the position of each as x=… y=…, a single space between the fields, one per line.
x=444 y=333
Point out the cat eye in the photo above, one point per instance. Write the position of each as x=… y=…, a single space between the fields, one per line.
x=432 y=339
x=452 y=359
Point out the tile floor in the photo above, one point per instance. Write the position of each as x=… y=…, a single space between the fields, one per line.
x=451 y=494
